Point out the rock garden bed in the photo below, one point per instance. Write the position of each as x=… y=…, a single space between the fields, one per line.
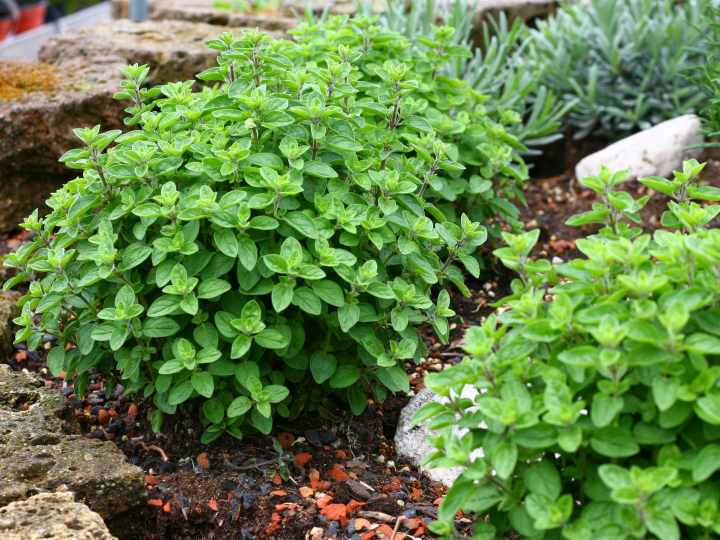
x=235 y=419
x=347 y=479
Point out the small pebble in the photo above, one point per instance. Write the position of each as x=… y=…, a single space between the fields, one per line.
x=75 y=401
x=234 y=508
x=228 y=484
x=248 y=500
x=328 y=436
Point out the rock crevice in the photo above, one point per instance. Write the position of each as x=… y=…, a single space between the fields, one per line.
x=42 y=450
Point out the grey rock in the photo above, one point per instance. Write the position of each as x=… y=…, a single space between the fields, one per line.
x=174 y=50
x=41 y=449
x=411 y=441
x=248 y=500
x=51 y=515
x=204 y=11
x=657 y=151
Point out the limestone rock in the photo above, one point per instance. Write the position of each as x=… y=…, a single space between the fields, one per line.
x=37 y=129
x=174 y=49
x=204 y=11
x=334 y=7
x=657 y=151
x=41 y=449
x=51 y=515
x=8 y=311
x=411 y=441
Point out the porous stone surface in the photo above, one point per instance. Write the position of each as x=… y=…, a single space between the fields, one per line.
x=41 y=449
x=284 y=19
x=657 y=151
x=334 y=7
x=8 y=311
x=36 y=130
x=204 y=11
x=51 y=515
x=411 y=442
x=174 y=49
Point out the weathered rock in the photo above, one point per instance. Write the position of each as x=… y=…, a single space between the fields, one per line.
x=37 y=129
x=411 y=441
x=41 y=449
x=8 y=311
x=174 y=50
x=51 y=515
x=334 y=7
x=204 y=11
x=657 y=151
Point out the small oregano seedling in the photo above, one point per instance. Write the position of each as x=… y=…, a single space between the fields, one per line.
x=264 y=235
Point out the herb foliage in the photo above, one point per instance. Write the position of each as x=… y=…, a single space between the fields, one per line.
x=598 y=410
x=267 y=234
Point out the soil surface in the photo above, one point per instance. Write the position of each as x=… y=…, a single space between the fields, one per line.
x=345 y=480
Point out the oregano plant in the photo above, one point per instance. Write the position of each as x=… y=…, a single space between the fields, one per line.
x=266 y=234
x=598 y=409
x=478 y=135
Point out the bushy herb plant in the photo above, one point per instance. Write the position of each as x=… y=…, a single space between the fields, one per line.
x=493 y=169
x=622 y=61
x=268 y=234
x=515 y=96
x=707 y=78
x=599 y=400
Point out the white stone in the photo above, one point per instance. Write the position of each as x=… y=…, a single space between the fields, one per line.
x=411 y=441
x=657 y=151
